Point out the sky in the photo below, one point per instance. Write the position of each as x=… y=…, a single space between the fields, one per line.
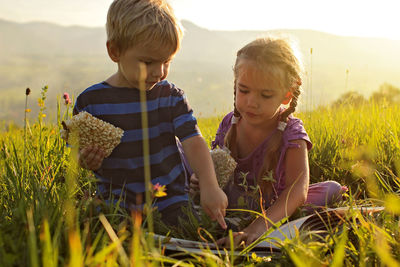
x=368 y=18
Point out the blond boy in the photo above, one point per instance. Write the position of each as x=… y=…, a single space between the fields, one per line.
x=146 y=31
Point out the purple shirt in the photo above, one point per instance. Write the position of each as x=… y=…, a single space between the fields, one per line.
x=253 y=162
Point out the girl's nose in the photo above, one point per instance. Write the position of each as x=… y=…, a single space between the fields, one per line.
x=252 y=101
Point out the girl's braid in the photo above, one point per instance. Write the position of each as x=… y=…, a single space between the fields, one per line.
x=230 y=138
x=235 y=111
x=272 y=153
x=293 y=104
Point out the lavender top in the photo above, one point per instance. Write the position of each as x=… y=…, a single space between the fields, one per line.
x=252 y=164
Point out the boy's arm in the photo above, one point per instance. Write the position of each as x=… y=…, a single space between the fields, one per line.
x=212 y=198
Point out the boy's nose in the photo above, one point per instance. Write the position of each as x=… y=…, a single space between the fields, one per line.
x=158 y=71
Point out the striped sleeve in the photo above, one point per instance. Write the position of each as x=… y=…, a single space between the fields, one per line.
x=185 y=124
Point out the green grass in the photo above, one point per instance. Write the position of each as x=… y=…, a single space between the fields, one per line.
x=49 y=215
x=349 y=141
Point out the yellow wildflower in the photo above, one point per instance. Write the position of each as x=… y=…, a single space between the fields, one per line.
x=159 y=190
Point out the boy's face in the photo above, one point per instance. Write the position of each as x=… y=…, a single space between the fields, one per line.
x=156 y=59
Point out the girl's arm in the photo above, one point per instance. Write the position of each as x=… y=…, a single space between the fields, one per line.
x=293 y=196
x=212 y=198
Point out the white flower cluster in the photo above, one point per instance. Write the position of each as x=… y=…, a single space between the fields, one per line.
x=224 y=165
x=92 y=131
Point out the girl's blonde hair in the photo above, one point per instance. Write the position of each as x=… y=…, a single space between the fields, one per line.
x=277 y=58
x=143 y=22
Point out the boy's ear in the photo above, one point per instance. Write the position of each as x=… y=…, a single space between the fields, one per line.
x=287 y=98
x=113 y=51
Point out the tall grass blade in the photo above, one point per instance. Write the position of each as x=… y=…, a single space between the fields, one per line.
x=339 y=253
x=33 y=250
x=115 y=239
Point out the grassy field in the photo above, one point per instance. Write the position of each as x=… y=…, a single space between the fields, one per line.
x=50 y=217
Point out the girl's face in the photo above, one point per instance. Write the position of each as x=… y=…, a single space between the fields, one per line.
x=258 y=95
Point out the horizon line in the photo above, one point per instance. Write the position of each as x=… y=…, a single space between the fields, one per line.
x=203 y=27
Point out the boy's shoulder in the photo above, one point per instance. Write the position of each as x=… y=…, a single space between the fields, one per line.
x=94 y=89
x=169 y=88
x=90 y=95
x=99 y=85
x=105 y=92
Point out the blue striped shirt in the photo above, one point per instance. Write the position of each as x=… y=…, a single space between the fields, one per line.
x=169 y=116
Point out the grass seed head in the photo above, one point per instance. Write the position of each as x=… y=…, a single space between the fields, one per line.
x=224 y=165
x=92 y=132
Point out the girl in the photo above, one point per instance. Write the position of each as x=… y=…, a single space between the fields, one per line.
x=269 y=145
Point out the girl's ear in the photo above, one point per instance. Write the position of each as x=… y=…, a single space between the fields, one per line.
x=113 y=51
x=287 y=98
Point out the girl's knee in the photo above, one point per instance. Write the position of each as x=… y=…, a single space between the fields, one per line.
x=333 y=189
x=325 y=193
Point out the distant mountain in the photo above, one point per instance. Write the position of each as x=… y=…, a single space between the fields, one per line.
x=41 y=38
x=72 y=58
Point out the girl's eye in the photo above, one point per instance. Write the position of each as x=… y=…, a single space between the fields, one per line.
x=266 y=96
x=243 y=91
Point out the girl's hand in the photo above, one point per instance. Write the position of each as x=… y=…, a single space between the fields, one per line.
x=239 y=239
x=194 y=185
x=248 y=235
x=91 y=157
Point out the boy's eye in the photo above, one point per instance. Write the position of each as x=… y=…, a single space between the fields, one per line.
x=243 y=91
x=147 y=62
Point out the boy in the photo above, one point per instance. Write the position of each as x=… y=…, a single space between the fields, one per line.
x=146 y=31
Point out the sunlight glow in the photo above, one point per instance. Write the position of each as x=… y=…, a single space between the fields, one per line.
x=369 y=18
x=357 y=17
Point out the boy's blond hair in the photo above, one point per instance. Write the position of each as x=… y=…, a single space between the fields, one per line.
x=144 y=23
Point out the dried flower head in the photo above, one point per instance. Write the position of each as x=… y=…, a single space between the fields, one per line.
x=27 y=91
x=92 y=131
x=224 y=165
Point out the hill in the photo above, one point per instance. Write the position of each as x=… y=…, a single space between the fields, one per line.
x=72 y=58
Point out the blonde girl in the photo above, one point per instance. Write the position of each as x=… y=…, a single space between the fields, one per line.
x=268 y=143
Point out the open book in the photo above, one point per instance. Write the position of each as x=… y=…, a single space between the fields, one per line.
x=319 y=223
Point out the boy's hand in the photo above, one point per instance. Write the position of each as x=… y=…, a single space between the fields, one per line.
x=216 y=212
x=194 y=185
x=91 y=157
x=214 y=202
